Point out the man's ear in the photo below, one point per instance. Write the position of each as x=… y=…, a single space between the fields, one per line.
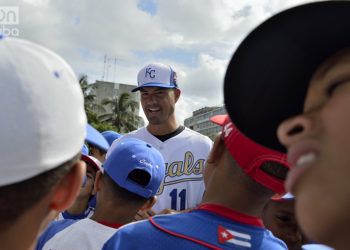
x=177 y=93
x=217 y=150
x=97 y=183
x=149 y=204
x=68 y=188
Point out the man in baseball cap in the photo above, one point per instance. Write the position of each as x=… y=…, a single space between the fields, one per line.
x=240 y=178
x=131 y=176
x=184 y=150
x=42 y=130
x=290 y=77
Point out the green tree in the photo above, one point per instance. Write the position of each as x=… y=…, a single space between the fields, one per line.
x=90 y=106
x=123 y=116
x=87 y=88
x=89 y=98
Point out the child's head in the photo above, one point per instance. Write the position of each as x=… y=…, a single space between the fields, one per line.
x=133 y=172
x=292 y=73
x=265 y=166
x=279 y=217
x=98 y=145
x=42 y=132
x=318 y=147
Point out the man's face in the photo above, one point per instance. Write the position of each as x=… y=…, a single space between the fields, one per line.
x=279 y=218
x=318 y=143
x=158 y=104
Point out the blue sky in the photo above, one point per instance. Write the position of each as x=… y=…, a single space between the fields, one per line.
x=197 y=38
x=149 y=6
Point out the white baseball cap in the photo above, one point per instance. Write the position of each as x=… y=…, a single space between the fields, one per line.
x=43 y=121
x=156 y=75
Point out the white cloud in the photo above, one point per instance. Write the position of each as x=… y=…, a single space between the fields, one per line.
x=84 y=31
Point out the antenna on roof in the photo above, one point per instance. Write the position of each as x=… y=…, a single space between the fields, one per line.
x=107 y=63
x=115 y=68
x=104 y=67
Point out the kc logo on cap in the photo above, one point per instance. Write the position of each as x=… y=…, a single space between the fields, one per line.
x=150 y=73
x=156 y=75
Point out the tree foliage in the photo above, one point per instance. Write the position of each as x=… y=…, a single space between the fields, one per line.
x=122 y=119
x=123 y=115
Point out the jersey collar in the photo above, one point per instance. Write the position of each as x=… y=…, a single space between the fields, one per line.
x=231 y=214
x=112 y=225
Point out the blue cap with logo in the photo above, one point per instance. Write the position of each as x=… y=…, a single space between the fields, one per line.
x=129 y=155
x=156 y=75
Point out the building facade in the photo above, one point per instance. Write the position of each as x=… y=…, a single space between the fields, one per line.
x=110 y=90
x=200 y=121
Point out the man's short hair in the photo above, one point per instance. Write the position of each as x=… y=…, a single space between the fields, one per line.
x=120 y=194
x=250 y=183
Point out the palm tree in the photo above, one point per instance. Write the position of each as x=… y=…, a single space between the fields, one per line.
x=89 y=100
x=87 y=88
x=123 y=115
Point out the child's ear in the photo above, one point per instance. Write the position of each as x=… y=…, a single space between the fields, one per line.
x=217 y=149
x=97 y=183
x=149 y=204
x=68 y=188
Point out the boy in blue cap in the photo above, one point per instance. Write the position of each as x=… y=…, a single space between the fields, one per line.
x=130 y=179
x=98 y=145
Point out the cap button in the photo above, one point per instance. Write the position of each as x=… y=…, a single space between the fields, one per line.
x=56 y=74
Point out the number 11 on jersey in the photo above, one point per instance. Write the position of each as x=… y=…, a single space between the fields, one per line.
x=174 y=199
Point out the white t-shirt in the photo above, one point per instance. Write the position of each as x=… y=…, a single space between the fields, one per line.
x=68 y=234
x=184 y=155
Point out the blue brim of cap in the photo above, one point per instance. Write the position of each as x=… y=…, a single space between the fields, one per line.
x=154 y=84
x=95 y=138
x=85 y=150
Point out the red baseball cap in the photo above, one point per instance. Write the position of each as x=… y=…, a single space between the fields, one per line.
x=92 y=161
x=250 y=155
